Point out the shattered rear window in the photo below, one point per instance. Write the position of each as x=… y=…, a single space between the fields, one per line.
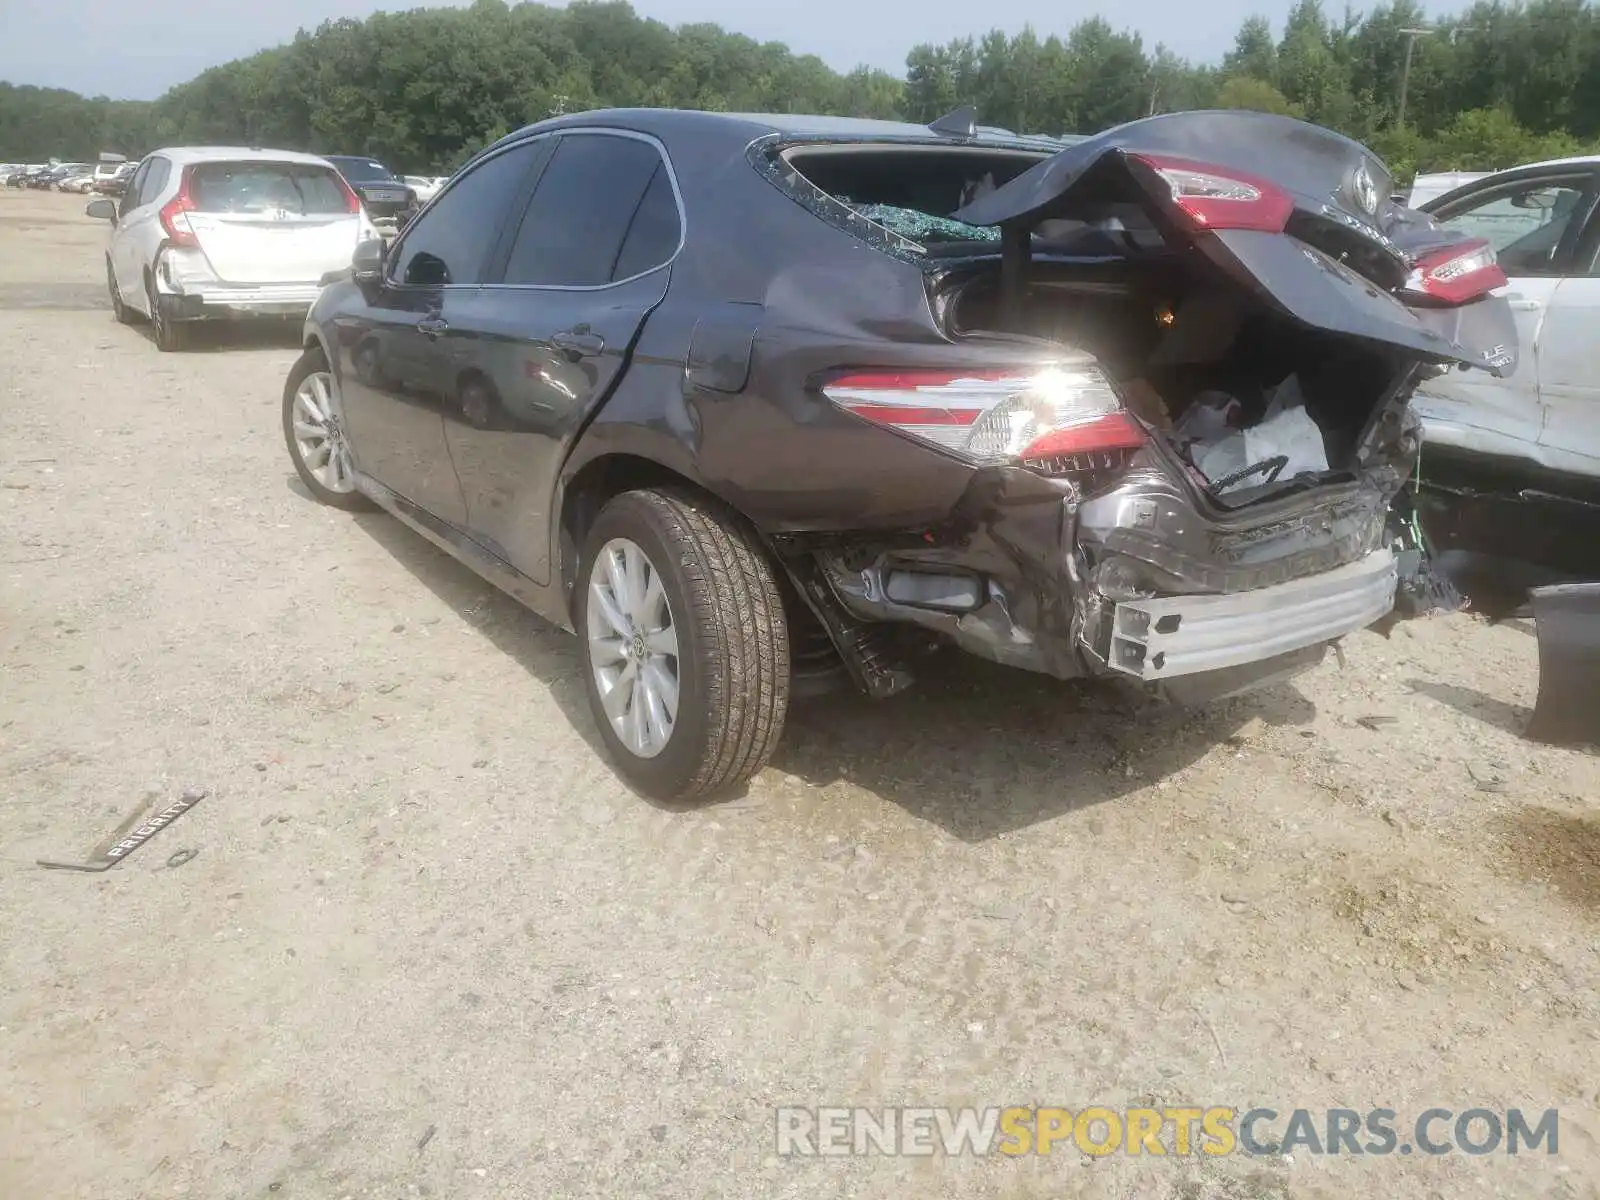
x=911 y=231
x=924 y=228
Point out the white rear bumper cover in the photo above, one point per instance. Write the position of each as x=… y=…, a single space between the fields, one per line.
x=267 y=296
x=187 y=276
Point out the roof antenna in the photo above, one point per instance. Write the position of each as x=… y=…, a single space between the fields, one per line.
x=962 y=123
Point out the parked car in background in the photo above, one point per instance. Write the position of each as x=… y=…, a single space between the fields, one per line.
x=425 y=187
x=389 y=202
x=109 y=167
x=1510 y=484
x=117 y=182
x=77 y=183
x=52 y=177
x=746 y=400
x=218 y=232
x=1430 y=187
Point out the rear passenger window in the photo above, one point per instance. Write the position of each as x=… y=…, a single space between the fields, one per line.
x=653 y=237
x=579 y=229
x=450 y=243
x=135 y=188
x=155 y=180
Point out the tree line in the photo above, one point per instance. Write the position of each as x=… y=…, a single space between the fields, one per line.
x=1498 y=84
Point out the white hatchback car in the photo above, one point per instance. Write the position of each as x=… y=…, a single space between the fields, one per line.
x=208 y=232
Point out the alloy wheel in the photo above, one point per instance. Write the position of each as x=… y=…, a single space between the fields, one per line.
x=633 y=647
x=318 y=436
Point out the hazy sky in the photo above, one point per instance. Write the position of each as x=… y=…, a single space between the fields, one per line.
x=139 y=48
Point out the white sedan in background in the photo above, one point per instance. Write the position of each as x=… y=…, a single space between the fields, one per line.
x=216 y=232
x=425 y=186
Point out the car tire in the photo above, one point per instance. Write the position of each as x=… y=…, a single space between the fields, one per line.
x=730 y=669
x=169 y=335
x=120 y=311
x=326 y=483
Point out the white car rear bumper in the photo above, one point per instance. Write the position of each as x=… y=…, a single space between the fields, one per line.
x=187 y=280
x=274 y=297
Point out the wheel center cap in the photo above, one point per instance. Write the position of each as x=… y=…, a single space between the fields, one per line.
x=637 y=647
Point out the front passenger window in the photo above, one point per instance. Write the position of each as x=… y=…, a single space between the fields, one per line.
x=450 y=243
x=1524 y=224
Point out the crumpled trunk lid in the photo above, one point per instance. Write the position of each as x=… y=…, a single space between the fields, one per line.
x=1345 y=249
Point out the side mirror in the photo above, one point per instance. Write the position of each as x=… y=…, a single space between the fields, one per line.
x=102 y=210
x=366 y=267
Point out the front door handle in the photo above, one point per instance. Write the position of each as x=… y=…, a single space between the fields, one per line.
x=579 y=342
x=432 y=325
x=1523 y=303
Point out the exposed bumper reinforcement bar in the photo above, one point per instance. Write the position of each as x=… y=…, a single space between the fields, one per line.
x=1169 y=636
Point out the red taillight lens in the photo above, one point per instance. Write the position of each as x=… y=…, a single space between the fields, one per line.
x=995 y=416
x=1220 y=197
x=1456 y=274
x=352 y=202
x=174 y=215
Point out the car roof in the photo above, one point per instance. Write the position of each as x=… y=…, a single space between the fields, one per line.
x=200 y=154
x=1578 y=160
x=1492 y=179
x=668 y=123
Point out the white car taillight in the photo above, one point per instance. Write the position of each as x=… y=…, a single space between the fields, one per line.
x=1457 y=273
x=174 y=214
x=995 y=416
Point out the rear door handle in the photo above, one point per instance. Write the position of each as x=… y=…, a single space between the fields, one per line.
x=579 y=342
x=432 y=325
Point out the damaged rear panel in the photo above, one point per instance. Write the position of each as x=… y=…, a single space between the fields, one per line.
x=1242 y=315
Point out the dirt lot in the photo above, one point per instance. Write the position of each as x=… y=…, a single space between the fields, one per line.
x=422 y=903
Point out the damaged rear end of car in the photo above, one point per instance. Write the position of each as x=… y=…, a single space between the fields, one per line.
x=1176 y=360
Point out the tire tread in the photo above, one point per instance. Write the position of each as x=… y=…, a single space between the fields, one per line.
x=737 y=611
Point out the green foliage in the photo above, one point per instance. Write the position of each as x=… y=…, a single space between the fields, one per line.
x=423 y=89
x=1245 y=91
x=1501 y=83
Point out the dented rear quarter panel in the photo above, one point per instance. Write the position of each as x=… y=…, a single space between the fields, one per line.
x=767 y=298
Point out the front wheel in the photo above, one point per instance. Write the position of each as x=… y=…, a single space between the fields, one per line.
x=685 y=645
x=123 y=314
x=314 y=431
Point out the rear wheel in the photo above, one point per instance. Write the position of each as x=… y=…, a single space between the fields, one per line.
x=684 y=642
x=315 y=435
x=169 y=335
x=123 y=314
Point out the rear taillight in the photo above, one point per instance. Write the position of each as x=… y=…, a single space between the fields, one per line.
x=174 y=215
x=1212 y=197
x=352 y=202
x=1036 y=417
x=1456 y=274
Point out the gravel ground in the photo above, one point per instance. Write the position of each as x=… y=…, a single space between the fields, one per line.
x=430 y=946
